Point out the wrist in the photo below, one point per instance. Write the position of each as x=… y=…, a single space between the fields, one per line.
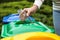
x=34 y=8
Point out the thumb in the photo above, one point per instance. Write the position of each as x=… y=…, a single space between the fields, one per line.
x=28 y=13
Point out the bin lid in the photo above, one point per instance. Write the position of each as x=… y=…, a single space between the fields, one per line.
x=19 y=27
x=14 y=17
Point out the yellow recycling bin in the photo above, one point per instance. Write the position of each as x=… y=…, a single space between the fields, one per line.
x=34 y=36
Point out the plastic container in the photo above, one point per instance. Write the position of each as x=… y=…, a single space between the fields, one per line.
x=34 y=36
x=11 y=17
x=14 y=17
x=20 y=27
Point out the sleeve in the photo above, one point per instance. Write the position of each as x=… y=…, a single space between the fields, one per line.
x=38 y=2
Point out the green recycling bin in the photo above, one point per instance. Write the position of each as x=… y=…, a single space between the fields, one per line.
x=19 y=27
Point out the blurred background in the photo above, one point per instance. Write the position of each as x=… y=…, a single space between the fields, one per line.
x=44 y=14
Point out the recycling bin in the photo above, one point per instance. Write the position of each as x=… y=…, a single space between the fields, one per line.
x=14 y=17
x=34 y=36
x=19 y=27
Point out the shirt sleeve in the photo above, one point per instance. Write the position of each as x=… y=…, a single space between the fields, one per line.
x=38 y=2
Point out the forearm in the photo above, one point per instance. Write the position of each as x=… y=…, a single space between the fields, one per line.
x=34 y=8
x=38 y=3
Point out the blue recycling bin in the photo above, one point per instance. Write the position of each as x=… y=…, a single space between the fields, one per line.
x=14 y=17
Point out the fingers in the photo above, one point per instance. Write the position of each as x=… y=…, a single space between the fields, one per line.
x=27 y=11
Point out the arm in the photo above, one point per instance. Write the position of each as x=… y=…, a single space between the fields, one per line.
x=38 y=3
x=33 y=9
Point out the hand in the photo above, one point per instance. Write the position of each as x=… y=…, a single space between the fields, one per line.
x=27 y=12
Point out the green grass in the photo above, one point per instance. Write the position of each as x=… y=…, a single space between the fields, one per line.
x=12 y=7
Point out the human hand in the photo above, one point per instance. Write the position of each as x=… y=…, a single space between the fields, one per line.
x=27 y=12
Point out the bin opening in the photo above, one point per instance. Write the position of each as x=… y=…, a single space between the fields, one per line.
x=40 y=38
